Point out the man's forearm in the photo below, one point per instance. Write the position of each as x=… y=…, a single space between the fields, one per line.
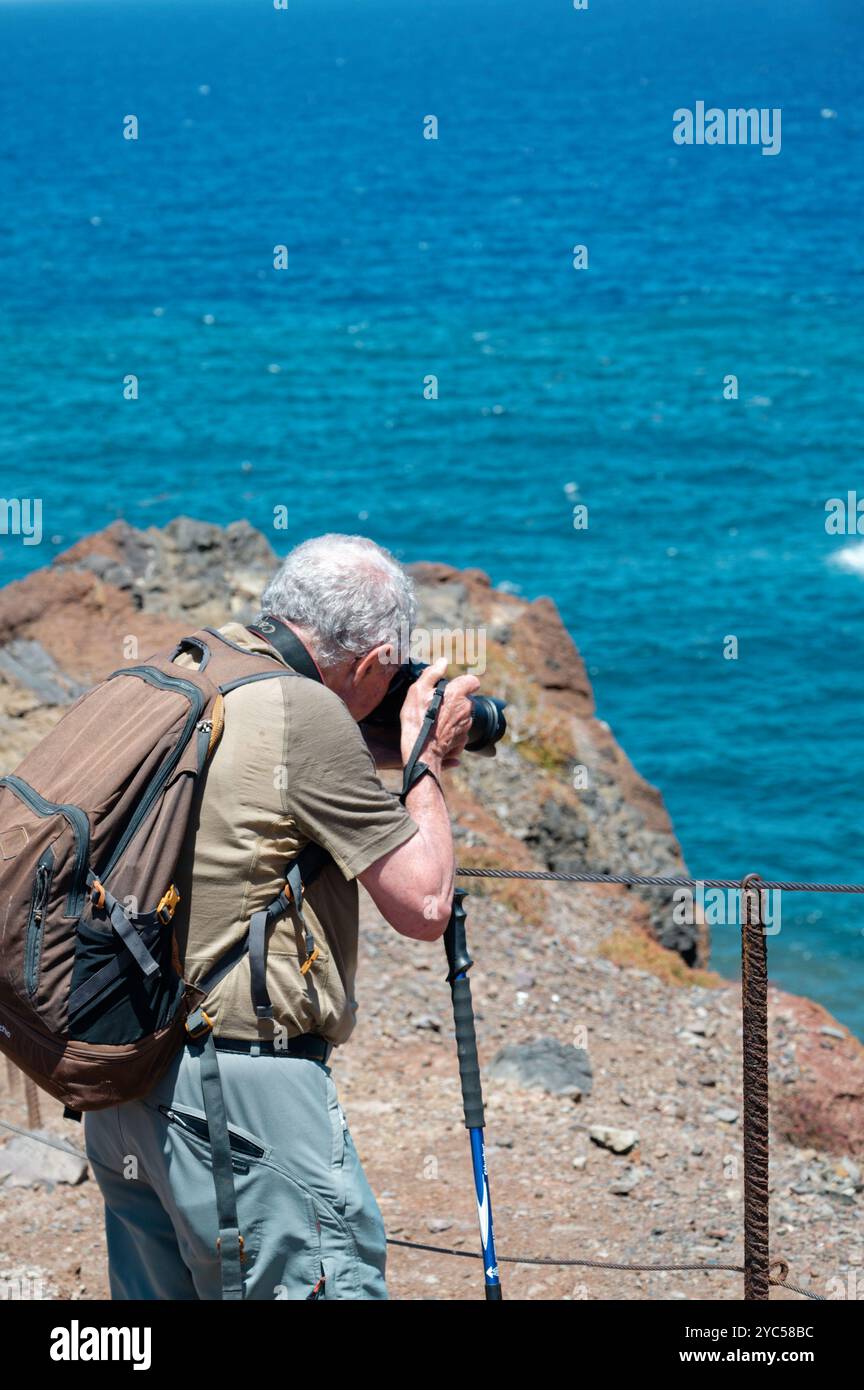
x=428 y=808
x=412 y=886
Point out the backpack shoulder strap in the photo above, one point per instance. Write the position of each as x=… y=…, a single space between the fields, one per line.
x=300 y=872
x=235 y=666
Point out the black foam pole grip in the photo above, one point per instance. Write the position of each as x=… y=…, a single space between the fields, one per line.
x=458 y=961
x=466 y=1049
x=455 y=942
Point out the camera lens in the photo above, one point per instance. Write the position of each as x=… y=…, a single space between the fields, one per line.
x=488 y=724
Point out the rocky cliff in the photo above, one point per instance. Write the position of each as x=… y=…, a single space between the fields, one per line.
x=560 y=794
x=611 y=1054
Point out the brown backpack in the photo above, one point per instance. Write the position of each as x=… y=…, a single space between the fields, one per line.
x=92 y=1002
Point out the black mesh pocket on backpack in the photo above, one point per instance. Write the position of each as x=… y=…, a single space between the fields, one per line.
x=126 y=1004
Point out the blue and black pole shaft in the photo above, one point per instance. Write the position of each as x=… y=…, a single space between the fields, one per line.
x=459 y=963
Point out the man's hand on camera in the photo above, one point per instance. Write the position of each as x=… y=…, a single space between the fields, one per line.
x=412 y=885
x=450 y=731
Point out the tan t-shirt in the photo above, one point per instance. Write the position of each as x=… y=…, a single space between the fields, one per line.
x=291 y=766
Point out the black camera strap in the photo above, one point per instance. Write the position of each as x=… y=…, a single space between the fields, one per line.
x=414 y=769
x=287 y=644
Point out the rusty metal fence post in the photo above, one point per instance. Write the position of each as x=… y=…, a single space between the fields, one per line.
x=34 y=1110
x=14 y=1077
x=754 y=1003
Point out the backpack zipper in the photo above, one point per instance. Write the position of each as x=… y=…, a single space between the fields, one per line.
x=196 y=700
x=80 y=825
x=33 y=949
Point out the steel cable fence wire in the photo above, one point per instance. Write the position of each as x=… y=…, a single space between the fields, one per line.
x=658 y=1267
x=41 y=1139
x=659 y=881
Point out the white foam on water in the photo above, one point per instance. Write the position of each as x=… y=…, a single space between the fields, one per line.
x=850 y=558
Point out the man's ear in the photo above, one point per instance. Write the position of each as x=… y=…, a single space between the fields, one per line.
x=387 y=656
x=380 y=656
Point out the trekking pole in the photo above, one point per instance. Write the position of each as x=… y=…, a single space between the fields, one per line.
x=459 y=963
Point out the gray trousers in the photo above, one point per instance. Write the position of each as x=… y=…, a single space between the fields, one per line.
x=311 y=1226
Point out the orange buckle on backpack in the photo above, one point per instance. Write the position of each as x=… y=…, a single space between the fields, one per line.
x=97 y=894
x=309 y=961
x=198 y=1030
x=240 y=1241
x=168 y=905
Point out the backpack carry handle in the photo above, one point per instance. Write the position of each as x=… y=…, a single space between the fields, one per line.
x=192 y=644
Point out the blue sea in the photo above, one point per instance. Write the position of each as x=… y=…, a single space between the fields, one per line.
x=412 y=257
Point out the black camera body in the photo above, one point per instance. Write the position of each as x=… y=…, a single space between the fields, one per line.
x=488 y=724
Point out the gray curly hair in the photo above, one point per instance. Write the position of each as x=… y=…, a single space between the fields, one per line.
x=348 y=592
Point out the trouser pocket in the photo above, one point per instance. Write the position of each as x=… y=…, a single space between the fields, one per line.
x=184 y=1180
x=291 y=1263
x=195 y=1125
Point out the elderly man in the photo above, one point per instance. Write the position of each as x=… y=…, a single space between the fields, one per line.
x=292 y=769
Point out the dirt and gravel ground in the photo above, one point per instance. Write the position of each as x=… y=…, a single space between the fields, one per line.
x=665 y=1063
